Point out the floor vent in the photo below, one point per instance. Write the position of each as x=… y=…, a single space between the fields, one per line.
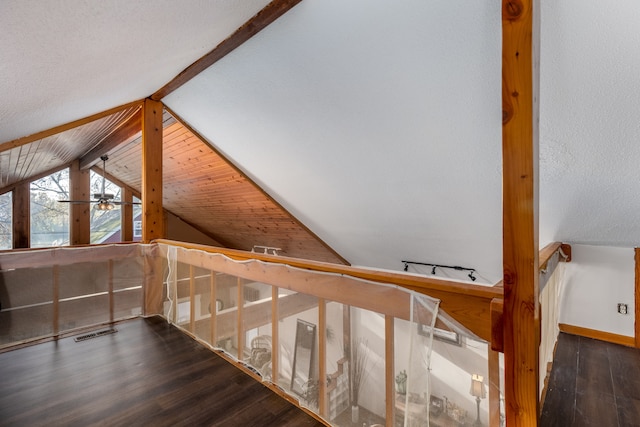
x=95 y=334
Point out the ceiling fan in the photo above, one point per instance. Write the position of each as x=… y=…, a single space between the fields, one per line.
x=103 y=201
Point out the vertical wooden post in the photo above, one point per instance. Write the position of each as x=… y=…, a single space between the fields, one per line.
x=213 y=303
x=520 y=78
x=346 y=342
x=192 y=300
x=126 y=219
x=389 y=369
x=275 y=344
x=241 y=335
x=637 y=297
x=153 y=284
x=322 y=357
x=110 y=287
x=494 y=388
x=152 y=213
x=56 y=300
x=21 y=216
x=79 y=214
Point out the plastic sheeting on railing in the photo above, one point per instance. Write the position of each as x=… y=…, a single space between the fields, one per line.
x=551 y=284
x=348 y=349
x=50 y=291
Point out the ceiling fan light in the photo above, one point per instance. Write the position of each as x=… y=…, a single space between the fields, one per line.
x=104 y=206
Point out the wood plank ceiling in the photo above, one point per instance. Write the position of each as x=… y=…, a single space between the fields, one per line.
x=207 y=192
x=53 y=152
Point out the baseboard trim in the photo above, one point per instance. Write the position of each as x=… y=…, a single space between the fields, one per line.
x=598 y=335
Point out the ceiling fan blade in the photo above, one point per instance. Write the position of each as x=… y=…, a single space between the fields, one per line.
x=119 y=202
x=75 y=201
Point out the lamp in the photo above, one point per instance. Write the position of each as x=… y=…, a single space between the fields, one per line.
x=478 y=391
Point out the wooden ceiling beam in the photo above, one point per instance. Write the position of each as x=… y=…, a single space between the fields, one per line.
x=253 y=26
x=116 y=181
x=59 y=129
x=125 y=133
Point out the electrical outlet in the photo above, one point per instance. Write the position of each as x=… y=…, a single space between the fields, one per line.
x=622 y=308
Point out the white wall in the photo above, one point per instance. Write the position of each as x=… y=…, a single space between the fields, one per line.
x=376 y=123
x=589 y=127
x=596 y=280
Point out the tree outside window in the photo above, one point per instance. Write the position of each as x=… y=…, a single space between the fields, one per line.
x=6 y=227
x=50 y=219
x=105 y=225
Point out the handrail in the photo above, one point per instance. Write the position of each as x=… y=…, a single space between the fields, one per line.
x=469 y=304
x=548 y=251
x=399 y=278
x=547 y=261
x=545 y=255
x=42 y=257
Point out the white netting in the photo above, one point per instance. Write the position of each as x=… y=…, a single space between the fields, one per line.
x=280 y=320
x=49 y=291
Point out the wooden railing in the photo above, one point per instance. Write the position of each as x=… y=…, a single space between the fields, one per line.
x=467 y=303
x=352 y=287
x=476 y=307
x=50 y=292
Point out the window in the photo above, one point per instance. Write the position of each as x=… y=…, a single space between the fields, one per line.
x=6 y=225
x=49 y=218
x=137 y=220
x=105 y=225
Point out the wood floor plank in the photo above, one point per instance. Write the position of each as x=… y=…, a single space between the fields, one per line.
x=628 y=411
x=595 y=409
x=593 y=402
x=559 y=404
x=625 y=371
x=148 y=373
x=594 y=372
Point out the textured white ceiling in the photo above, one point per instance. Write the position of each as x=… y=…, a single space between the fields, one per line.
x=590 y=122
x=376 y=123
x=61 y=60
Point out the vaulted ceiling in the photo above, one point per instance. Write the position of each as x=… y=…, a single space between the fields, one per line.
x=376 y=124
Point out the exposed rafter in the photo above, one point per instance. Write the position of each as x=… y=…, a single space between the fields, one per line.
x=116 y=181
x=125 y=133
x=262 y=19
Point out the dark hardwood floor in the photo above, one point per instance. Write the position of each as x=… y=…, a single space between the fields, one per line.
x=592 y=383
x=148 y=373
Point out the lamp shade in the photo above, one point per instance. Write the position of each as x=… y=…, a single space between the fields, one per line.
x=477 y=386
